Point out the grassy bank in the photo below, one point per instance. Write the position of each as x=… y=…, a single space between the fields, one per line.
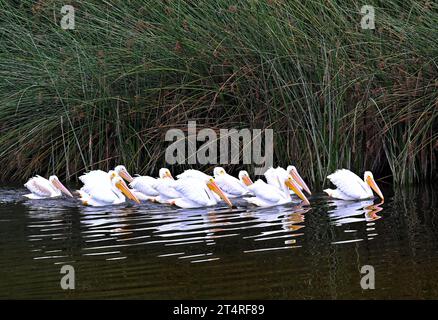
x=106 y=92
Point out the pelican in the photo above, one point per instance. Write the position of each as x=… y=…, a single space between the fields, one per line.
x=197 y=192
x=148 y=188
x=100 y=190
x=351 y=187
x=231 y=186
x=274 y=192
x=41 y=188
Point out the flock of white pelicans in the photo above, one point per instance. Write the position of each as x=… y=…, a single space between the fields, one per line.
x=195 y=189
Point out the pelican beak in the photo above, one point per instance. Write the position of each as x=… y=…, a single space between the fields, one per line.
x=125 y=175
x=215 y=188
x=296 y=176
x=374 y=186
x=61 y=187
x=121 y=185
x=247 y=180
x=291 y=184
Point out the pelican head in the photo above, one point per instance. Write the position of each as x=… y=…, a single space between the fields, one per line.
x=292 y=185
x=244 y=177
x=165 y=173
x=369 y=179
x=211 y=184
x=219 y=171
x=121 y=171
x=120 y=184
x=296 y=176
x=58 y=185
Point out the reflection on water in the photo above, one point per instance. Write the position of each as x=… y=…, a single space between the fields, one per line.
x=156 y=251
x=350 y=212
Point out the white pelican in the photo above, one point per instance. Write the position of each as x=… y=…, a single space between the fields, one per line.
x=231 y=186
x=351 y=187
x=105 y=190
x=276 y=192
x=197 y=192
x=42 y=188
x=146 y=188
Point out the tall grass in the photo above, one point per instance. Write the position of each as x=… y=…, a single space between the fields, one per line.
x=106 y=92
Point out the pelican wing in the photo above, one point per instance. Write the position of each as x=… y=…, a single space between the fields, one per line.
x=93 y=177
x=265 y=192
x=145 y=185
x=39 y=186
x=166 y=188
x=102 y=194
x=194 y=190
x=191 y=173
x=230 y=185
x=349 y=183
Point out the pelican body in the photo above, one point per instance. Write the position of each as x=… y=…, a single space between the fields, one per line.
x=351 y=187
x=276 y=191
x=42 y=188
x=194 y=189
x=231 y=186
x=104 y=188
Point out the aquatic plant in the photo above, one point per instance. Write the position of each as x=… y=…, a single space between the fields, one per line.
x=106 y=92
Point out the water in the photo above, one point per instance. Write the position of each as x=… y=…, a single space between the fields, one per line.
x=157 y=252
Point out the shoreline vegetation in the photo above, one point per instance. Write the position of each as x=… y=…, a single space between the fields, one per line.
x=105 y=93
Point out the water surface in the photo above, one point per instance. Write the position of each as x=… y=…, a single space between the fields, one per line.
x=154 y=251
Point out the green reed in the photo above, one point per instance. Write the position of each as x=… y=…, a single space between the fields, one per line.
x=106 y=92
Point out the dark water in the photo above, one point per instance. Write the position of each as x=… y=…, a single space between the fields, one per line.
x=157 y=252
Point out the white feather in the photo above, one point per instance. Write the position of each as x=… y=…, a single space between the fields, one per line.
x=230 y=185
x=349 y=185
x=41 y=188
x=196 y=191
x=191 y=173
x=144 y=185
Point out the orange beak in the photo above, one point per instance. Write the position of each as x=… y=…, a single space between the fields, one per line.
x=215 y=188
x=374 y=186
x=125 y=175
x=291 y=184
x=296 y=176
x=126 y=191
x=61 y=187
x=247 y=180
